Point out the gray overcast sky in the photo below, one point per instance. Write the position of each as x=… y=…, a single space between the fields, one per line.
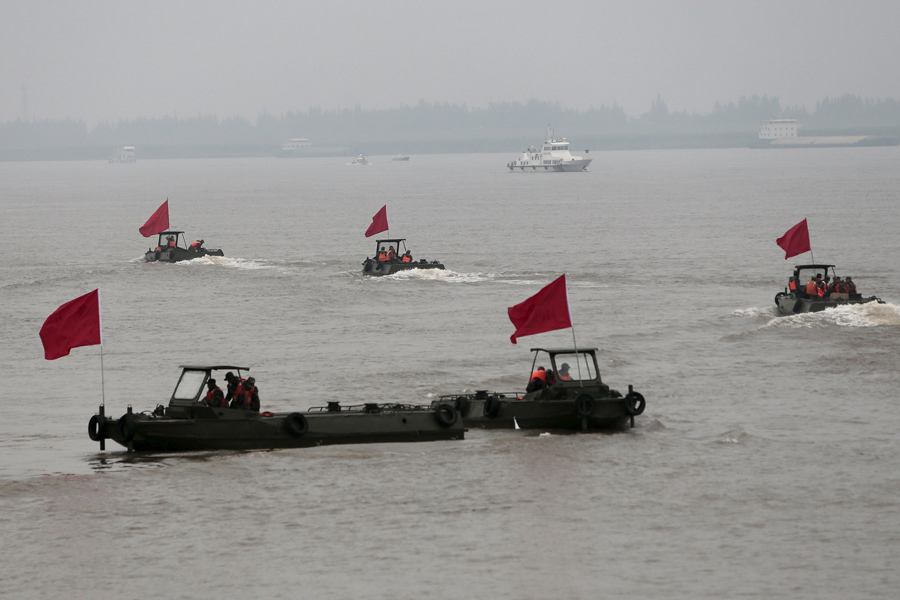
x=106 y=60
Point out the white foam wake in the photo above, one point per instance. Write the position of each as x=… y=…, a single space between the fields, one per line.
x=440 y=275
x=871 y=314
x=755 y=311
x=224 y=261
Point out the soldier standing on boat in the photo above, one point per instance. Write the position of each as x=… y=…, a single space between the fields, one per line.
x=234 y=388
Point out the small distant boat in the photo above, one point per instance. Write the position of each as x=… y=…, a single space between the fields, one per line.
x=125 y=154
x=401 y=157
x=554 y=156
x=360 y=160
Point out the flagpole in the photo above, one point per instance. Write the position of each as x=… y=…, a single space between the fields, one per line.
x=102 y=376
x=574 y=341
x=813 y=256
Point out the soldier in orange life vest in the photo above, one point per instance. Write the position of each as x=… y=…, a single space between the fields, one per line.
x=538 y=380
x=849 y=286
x=407 y=257
x=249 y=396
x=214 y=396
x=812 y=287
x=195 y=246
x=382 y=255
x=792 y=284
x=564 y=372
x=170 y=242
x=820 y=286
x=391 y=255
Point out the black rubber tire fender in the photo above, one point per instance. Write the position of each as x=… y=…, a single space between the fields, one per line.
x=156 y=254
x=778 y=296
x=97 y=428
x=461 y=404
x=127 y=427
x=296 y=425
x=584 y=405
x=634 y=403
x=492 y=407
x=446 y=415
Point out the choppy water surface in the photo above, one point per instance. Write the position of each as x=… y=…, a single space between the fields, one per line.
x=766 y=464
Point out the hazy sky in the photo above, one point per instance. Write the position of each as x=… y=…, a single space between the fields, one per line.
x=106 y=60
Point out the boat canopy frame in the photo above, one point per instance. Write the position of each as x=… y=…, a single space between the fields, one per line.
x=554 y=352
x=195 y=378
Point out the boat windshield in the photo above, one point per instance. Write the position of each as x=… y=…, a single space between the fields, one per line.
x=579 y=367
x=190 y=385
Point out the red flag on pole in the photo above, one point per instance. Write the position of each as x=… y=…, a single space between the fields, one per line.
x=548 y=310
x=75 y=323
x=158 y=221
x=795 y=241
x=379 y=222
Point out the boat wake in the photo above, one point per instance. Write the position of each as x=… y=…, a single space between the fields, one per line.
x=224 y=261
x=871 y=314
x=440 y=275
x=769 y=311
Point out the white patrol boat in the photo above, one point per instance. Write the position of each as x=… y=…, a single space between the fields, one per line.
x=554 y=155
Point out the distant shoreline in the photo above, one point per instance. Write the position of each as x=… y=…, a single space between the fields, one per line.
x=473 y=145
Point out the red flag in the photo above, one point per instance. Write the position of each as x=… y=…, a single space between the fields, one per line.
x=75 y=323
x=379 y=222
x=795 y=241
x=158 y=221
x=548 y=310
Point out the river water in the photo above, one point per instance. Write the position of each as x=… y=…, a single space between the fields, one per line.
x=765 y=466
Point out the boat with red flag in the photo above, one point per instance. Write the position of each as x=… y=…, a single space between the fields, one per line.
x=824 y=289
x=565 y=391
x=391 y=254
x=815 y=287
x=171 y=245
x=192 y=420
x=569 y=394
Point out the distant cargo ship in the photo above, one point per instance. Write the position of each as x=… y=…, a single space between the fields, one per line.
x=782 y=133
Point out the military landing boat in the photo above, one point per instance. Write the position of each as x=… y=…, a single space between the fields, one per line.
x=797 y=299
x=189 y=423
x=173 y=247
x=392 y=256
x=570 y=395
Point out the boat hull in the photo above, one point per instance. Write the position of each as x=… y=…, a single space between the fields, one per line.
x=230 y=429
x=179 y=254
x=791 y=304
x=573 y=166
x=498 y=411
x=378 y=268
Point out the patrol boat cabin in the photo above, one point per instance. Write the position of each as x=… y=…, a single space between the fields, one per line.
x=564 y=391
x=796 y=299
x=391 y=256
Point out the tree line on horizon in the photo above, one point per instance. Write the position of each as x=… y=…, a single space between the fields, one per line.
x=447 y=122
